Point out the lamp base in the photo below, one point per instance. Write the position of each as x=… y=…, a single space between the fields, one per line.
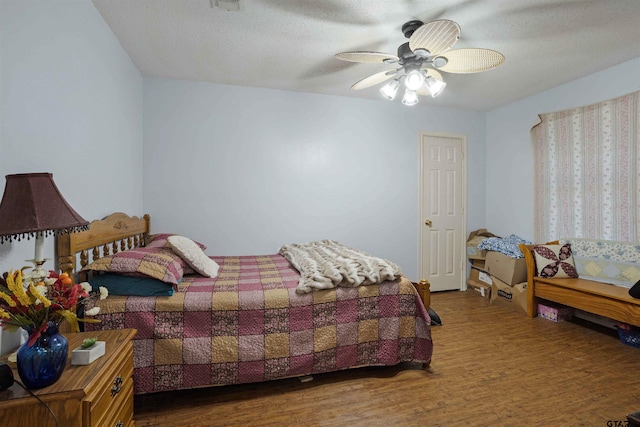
x=38 y=274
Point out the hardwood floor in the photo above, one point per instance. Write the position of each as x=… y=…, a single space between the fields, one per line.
x=490 y=367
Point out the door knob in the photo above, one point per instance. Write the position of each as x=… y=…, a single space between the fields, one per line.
x=427 y=222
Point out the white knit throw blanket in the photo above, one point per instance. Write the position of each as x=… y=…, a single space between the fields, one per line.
x=326 y=264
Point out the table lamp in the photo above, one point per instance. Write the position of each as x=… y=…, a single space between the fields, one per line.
x=32 y=206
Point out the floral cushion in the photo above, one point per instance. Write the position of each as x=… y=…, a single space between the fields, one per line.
x=554 y=261
x=159 y=263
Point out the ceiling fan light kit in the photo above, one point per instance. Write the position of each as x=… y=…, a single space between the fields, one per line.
x=414 y=79
x=410 y=97
x=390 y=90
x=435 y=86
x=421 y=58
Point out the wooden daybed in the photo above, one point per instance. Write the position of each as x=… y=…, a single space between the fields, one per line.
x=248 y=323
x=599 y=298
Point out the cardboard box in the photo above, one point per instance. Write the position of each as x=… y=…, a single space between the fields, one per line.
x=472 y=248
x=480 y=288
x=474 y=239
x=555 y=312
x=509 y=270
x=512 y=297
x=480 y=281
x=477 y=263
x=480 y=276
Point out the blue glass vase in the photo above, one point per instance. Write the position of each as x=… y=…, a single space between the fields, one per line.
x=42 y=364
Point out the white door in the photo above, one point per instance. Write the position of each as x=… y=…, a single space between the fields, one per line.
x=442 y=210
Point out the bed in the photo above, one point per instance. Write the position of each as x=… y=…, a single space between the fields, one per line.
x=248 y=324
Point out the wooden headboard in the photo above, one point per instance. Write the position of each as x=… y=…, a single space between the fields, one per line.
x=115 y=233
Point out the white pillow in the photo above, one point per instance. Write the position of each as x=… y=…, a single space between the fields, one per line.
x=191 y=253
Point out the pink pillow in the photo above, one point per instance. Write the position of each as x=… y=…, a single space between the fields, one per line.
x=159 y=263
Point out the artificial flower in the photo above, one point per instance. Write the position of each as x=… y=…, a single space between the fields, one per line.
x=92 y=311
x=86 y=286
x=30 y=305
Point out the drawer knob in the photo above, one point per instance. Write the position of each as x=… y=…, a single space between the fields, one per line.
x=118 y=424
x=117 y=385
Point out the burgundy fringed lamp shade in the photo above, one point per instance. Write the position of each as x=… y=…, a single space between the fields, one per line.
x=32 y=205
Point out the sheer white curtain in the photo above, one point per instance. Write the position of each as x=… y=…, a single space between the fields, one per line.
x=587 y=172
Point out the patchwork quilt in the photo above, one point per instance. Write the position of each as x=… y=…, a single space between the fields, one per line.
x=248 y=324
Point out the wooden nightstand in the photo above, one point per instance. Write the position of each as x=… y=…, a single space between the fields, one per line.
x=99 y=394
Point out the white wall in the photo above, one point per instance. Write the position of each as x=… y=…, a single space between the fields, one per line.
x=245 y=170
x=70 y=104
x=509 y=166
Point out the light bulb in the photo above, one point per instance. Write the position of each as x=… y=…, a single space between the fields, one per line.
x=414 y=80
x=410 y=97
x=390 y=89
x=435 y=86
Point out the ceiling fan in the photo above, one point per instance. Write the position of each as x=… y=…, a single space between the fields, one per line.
x=421 y=59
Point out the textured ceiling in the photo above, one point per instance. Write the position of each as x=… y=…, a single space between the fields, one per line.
x=290 y=44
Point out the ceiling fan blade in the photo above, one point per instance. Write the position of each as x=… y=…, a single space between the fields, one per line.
x=363 y=56
x=435 y=36
x=373 y=79
x=472 y=60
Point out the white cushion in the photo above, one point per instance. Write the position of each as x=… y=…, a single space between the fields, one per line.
x=191 y=253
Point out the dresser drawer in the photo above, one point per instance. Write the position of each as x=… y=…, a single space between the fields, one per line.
x=113 y=394
x=122 y=415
